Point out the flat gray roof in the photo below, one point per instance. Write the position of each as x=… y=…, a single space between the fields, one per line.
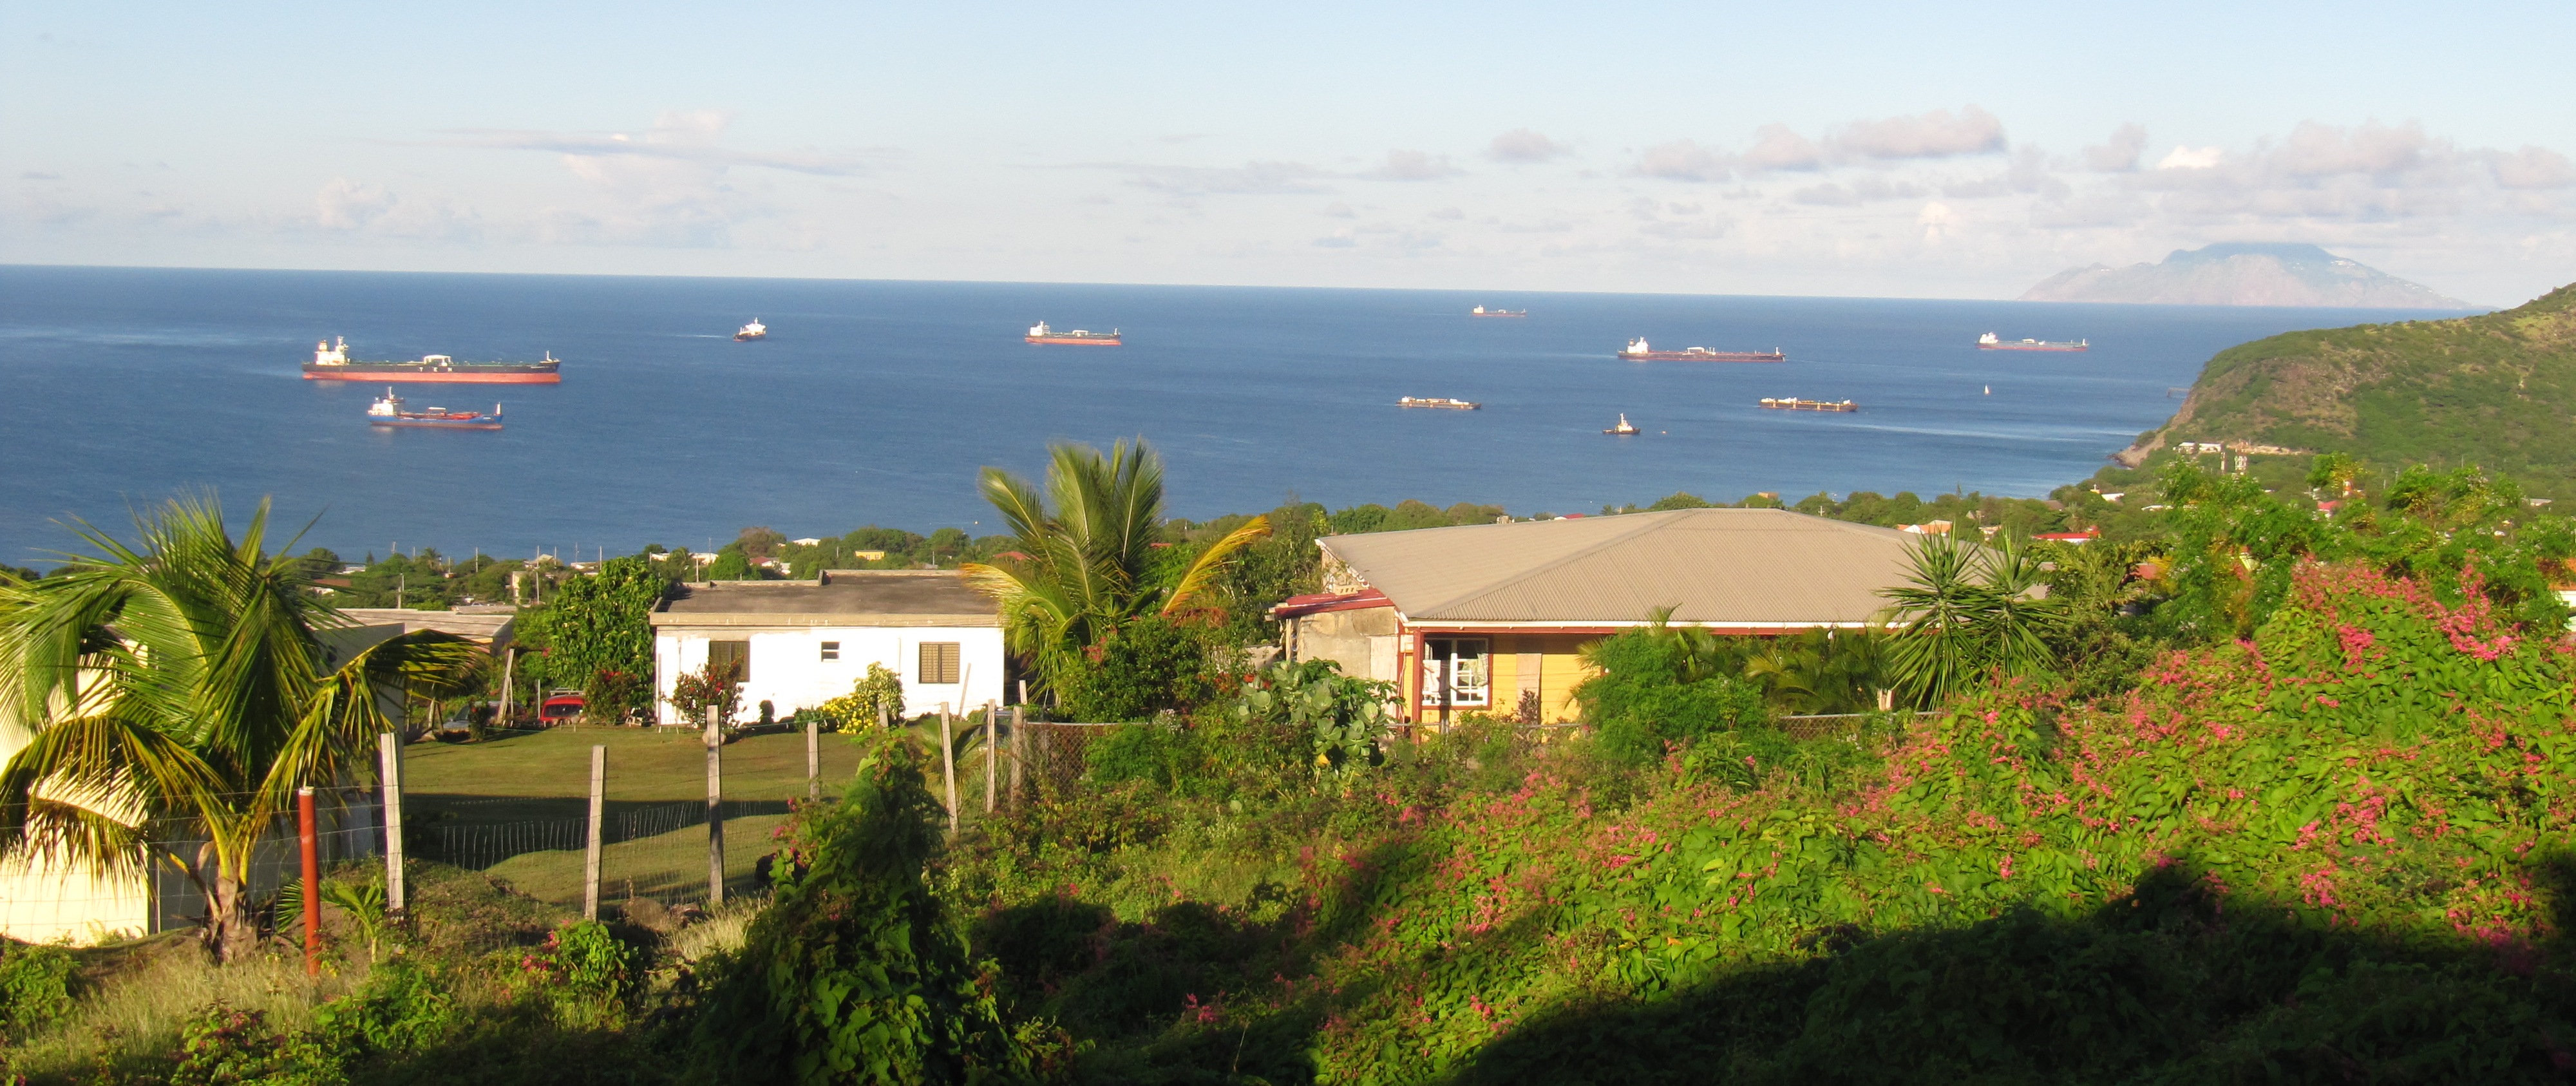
x=489 y=629
x=859 y=597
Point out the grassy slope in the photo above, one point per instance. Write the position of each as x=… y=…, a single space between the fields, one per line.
x=2495 y=390
x=2328 y=851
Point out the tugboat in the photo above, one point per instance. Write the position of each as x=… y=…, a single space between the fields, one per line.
x=388 y=411
x=1990 y=342
x=1044 y=334
x=752 y=331
x=1439 y=401
x=1638 y=351
x=1623 y=429
x=1481 y=311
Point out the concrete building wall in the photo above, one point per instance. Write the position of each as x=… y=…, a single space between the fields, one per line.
x=789 y=672
x=1362 y=641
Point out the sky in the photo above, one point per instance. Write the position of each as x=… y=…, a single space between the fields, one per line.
x=1961 y=150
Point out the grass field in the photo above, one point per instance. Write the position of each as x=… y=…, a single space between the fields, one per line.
x=542 y=778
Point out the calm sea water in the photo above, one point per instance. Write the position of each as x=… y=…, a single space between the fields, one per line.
x=875 y=402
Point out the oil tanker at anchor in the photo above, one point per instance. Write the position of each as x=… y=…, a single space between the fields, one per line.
x=1077 y=337
x=1992 y=342
x=331 y=363
x=1638 y=351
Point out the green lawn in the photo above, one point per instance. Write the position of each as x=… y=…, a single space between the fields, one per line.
x=671 y=867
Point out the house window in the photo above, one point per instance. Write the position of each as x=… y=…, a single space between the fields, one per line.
x=1457 y=671
x=938 y=663
x=831 y=650
x=733 y=656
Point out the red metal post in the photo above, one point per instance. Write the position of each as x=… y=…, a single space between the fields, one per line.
x=312 y=882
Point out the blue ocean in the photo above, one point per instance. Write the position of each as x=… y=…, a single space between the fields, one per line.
x=876 y=402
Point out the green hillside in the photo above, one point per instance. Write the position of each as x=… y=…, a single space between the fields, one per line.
x=2496 y=390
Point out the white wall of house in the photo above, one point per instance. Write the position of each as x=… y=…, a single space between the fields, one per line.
x=788 y=669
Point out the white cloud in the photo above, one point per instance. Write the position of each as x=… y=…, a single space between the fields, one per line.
x=1775 y=147
x=1937 y=134
x=2318 y=150
x=1523 y=145
x=1683 y=160
x=1249 y=179
x=1447 y=214
x=2120 y=153
x=1414 y=166
x=2191 y=158
x=1339 y=210
x=1937 y=221
x=684 y=135
x=2532 y=168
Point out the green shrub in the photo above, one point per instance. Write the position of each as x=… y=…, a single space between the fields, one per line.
x=856 y=972
x=584 y=962
x=1645 y=698
x=858 y=710
x=401 y=1008
x=1162 y=755
x=223 y=1046
x=1147 y=666
x=1343 y=719
x=35 y=987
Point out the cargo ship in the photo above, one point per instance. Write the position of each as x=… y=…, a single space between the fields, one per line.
x=752 y=331
x=1808 y=405
x=1481 y=311
x=1988 y=342
x=1638 y=351
x=331 y=363
x=1044 y=334
x=388 y=411
x=1439 y=401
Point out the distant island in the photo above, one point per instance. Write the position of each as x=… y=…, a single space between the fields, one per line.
x=2494 y=390
x=2243 y=273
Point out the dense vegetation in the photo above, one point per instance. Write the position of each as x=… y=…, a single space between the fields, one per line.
x=2494 y=390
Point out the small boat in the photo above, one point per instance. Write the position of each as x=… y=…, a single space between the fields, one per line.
x=1638 y=351
x=1623 y=429
x=752 y=331
x=1481 y=311
x=388 y=411
x=1439 y=401
x=1991 y=342
x=1809 y=405
x=1044 y=334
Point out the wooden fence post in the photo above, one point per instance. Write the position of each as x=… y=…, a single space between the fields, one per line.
x=306 y=843
x=389 y=775
x=590 y=858
x=948 y=765
x=1019 y=750
x=813 y=759
x=715 y=809
x=992 y=743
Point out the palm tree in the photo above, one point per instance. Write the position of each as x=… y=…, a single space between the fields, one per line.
x=185 y=687
x=1967 y=609
x=1083 y=560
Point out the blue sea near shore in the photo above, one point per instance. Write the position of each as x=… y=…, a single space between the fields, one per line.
x=875 y=402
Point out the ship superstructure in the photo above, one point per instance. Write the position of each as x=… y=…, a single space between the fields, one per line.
x=753 y=331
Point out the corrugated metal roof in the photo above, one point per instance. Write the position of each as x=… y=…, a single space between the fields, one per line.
x=1719 y=566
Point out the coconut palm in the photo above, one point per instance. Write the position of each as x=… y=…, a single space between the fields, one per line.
x=1082 y=563
x=185 y=687
x=1968 y=609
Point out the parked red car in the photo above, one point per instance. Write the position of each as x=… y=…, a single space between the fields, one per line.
x=560 y=707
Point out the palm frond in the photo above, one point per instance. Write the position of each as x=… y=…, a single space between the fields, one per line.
x=1211 y=562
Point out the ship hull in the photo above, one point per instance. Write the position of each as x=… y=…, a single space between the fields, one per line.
x=740 y=338
x=535 y=374
x=1702 y=356
x=432 y=424
x=1076 y=341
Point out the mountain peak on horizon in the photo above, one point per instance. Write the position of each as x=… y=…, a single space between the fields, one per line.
x=2243 y=273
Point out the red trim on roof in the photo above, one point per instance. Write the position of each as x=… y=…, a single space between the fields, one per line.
x=2071 y=537
x=1320 y=602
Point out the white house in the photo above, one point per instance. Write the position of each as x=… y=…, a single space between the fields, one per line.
x=799 y=644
